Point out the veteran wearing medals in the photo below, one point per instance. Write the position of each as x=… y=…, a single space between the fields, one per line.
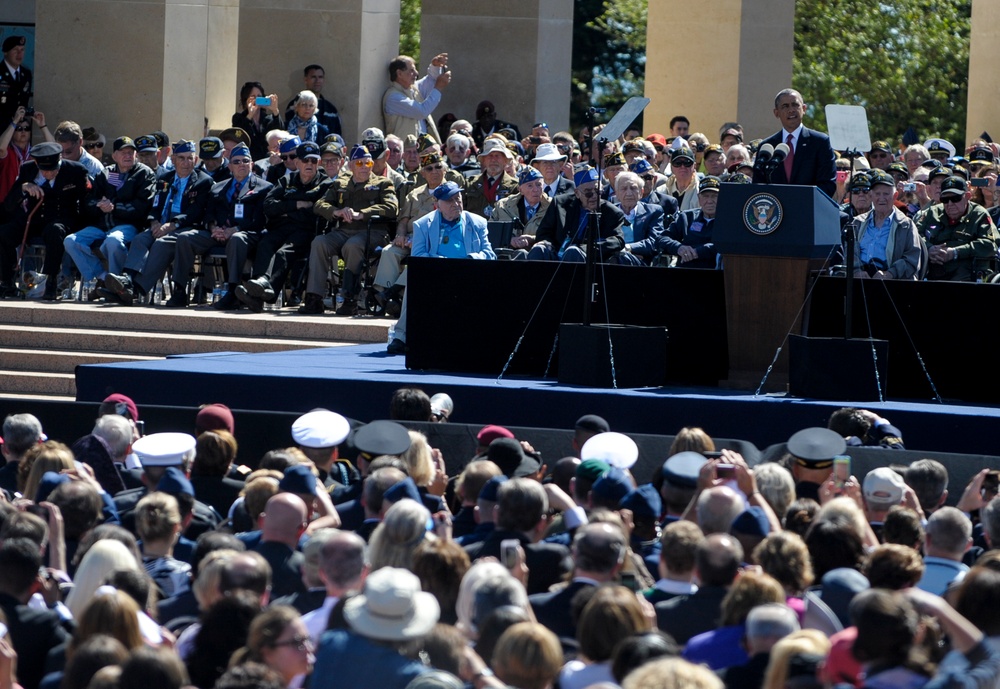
x=352 y=201
x=235 y=220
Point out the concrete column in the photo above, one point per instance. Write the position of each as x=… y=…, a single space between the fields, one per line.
x=353 y=40
x=723 y=62
x=984 y=80
x=153 y=74
x=516 y=53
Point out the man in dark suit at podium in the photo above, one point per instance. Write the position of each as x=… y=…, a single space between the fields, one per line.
x=810 y=159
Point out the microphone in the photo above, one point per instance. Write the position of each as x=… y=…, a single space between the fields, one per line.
x=764 y=154
x=780 y=153
x=598 y=111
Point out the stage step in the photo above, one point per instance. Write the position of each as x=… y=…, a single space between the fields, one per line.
x=42 y=344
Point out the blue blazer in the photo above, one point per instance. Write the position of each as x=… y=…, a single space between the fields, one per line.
x=427 y=234
x=646 y=230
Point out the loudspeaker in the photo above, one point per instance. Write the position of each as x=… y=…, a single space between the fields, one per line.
x=833 y=368
x=639 y=354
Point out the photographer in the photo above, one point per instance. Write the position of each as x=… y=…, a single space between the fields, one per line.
x=887 y=245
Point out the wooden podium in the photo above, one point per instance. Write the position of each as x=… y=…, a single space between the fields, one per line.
x=771 y=237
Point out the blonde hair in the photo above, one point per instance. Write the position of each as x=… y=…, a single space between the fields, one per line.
x=805 y=641
x=394 y=540
x=528 y=656
x=48 y=456
x=419 y=461
x=672 y=673
x=157 y=517
x=845 y=508
x=103 y=558
x=205 y=587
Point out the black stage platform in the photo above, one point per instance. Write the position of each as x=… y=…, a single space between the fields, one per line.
x=358 y=381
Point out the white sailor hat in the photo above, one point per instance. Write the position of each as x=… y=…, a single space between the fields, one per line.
x=617 y=449
x=320 y=428
x=163 y=449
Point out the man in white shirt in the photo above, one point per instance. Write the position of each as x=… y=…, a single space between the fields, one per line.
x=343 y=568
x=408 y=103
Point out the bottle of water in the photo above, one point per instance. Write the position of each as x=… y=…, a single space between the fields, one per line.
x=166 y=288
x=280 y=302
x=392 y=333
x=216 y=292
x=158 y=293
x=339 y=301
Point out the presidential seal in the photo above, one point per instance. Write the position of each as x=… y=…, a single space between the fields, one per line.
x=762 y=214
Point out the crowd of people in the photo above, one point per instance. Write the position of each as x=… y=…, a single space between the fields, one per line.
x=351 y=558
x=300 y=218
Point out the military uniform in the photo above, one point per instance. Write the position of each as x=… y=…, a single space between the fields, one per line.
x=15 y=90
x=480 y=195
x=60 y=214
x=374 y=197
x=973 y=237
x=242 y=209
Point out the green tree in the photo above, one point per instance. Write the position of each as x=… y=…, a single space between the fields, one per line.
x=905 y=61
x=409 y=29
x=609 y=54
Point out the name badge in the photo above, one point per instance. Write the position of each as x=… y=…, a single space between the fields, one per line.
x=238 y=211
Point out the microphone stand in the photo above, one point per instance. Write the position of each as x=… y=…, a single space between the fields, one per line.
x=851 y=237
x=593 y=223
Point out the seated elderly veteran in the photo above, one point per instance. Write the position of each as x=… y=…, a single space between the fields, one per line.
x=652 y=189
x=351 y=201
x=961 y=236
x=887 y=244
x=483 y=192
x=235 y=219
x=689 y=236
x=643 y=222
x=448 y=232
x=418 y=203
x=525 y=209
x=860 y=202
x=562 y=234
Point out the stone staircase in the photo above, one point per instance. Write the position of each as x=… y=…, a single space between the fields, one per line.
x=41 y=344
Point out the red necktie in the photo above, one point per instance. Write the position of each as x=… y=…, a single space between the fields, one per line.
x=789 y=159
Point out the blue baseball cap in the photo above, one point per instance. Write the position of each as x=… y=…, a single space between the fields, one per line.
x=528 y=174
x=445 y=191
x=585 y=176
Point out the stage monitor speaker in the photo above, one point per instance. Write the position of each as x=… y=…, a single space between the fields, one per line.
x=833 y=368
x=585 y=355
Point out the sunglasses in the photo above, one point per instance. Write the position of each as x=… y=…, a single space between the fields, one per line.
x=289 y=157
x=589 y=194
x=239 y=161
x=22 y=129
x=92 y=146
x=299 y=643
x=952 y=199
x=682 y=163
x=364 y=162
x=649 y=178
x=436 y=166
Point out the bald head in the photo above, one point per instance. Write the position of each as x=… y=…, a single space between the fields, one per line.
x=718 y=508
x=285 y=517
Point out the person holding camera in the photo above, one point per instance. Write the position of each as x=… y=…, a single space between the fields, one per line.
x=887 y=245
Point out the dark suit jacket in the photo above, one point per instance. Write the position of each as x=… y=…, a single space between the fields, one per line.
x=553 y=611
x=222 y=212
x=64 y=203
x=679 y=233
x=686 y=616
x=562 y=219
x=814 y=163
x=194 y=202
x=548 y=563
x=133 y=200
x=33 y=634
x=665 y=201
x=286 y=568
x=563 y=186
x=647 y=226
x=475 y=196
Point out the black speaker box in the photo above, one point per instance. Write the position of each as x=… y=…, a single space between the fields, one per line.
x=833 y=368
x=586 y=353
